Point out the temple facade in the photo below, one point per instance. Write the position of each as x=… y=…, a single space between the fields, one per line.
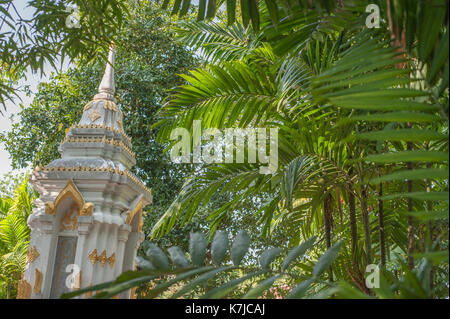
x=87 y=224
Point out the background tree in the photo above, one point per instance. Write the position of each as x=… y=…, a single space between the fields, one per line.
x=55 y=32
x=9 y=182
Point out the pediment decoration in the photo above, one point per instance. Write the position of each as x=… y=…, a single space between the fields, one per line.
x=70 y=190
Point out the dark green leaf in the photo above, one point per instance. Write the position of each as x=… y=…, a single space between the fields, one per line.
x=273 y=10
x=221 y=291
x=199 y=280
x=245 y=12
x=300 y=290
x=211 y=9
x=298 y=251
x=407 y=135
x=219 y=247
x=327 y=259
x=409 y=156
x=268 y=256
x=197 y=248
x=416 y=174
x=240 y=246
x=178 y=257
x=260 y=288
x=254 y=14
x=231 y=11
x=157 y=256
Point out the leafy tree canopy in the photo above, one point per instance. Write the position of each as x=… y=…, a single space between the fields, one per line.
x=54 y=32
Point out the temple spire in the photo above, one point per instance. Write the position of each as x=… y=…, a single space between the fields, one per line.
x=106 y=88
x=89 y=212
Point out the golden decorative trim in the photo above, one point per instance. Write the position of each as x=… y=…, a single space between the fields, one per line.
x=104 y=140
x=32 y=254
x=129 y=217
x=111 y=260
x=87 y=209
x=93 y=256
x=136 y=210
x=105 y=127
x=69 y=220
x=94 y=116
x=50 y=208
x=37 y=282
x=23 y=289
x=109 y=169
x=77 y=283
x=70 y=190
x=87 y=106
x=108 y=105
x=102 y=259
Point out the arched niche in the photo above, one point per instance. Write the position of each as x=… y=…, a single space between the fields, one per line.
x=135 y=220
x=67 y=206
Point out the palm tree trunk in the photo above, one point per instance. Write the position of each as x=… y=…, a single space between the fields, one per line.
x=410 y=218
x=366 y=223
x=430 y=226
x=353 y=226
x=327 y=219
x=327 y=208
x=381 y=227
x=341 y=215
x=410 y=230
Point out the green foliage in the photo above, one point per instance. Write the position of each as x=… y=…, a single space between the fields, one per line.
x=362 y=118
x=45 y=38
x=412 y=284
x=9 y=182
x=374 y=81
x=14 y=237
x=195 y=273
x=219 y=247
x=250 y=10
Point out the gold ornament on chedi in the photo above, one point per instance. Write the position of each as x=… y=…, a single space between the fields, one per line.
x=102 y=259
x=32 y=254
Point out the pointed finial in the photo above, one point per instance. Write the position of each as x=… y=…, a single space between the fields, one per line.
x=106 y=88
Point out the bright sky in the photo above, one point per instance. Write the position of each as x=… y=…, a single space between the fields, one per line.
x=13 y=107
